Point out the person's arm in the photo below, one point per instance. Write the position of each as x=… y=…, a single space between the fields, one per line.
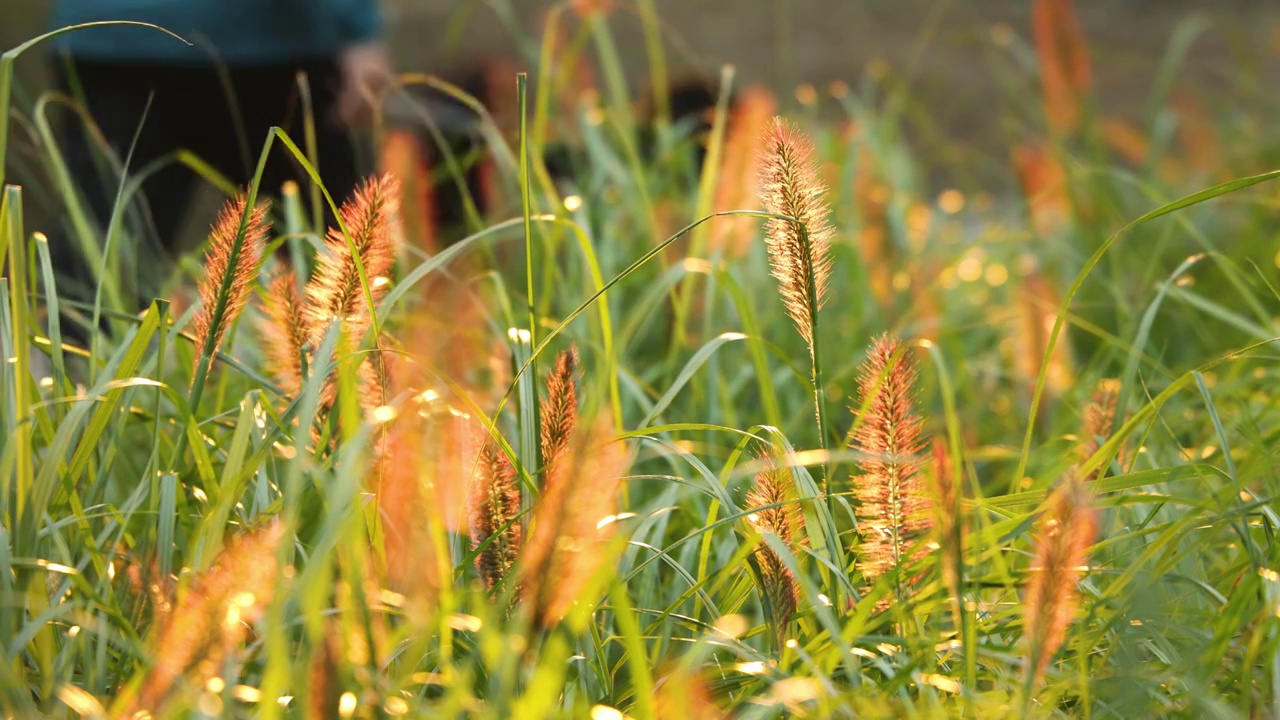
x=362 y=59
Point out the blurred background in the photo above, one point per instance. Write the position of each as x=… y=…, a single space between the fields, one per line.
x=962 y=70
x=958 y=56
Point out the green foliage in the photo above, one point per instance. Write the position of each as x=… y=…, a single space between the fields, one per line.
x=125 y=475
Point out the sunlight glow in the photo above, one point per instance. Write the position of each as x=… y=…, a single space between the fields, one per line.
x=795 y=690
x=57 y=567
x=732 y=625
x=610 y=519
x=80 y=701
x=604 y=712
x=951 y=201
x=942 y=682
x=384 y=414
x=246 y=693
x=467 y=623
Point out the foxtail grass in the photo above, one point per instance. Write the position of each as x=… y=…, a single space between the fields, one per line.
x=410 y=517
x=893 y=513
x=210 y=619
x=334 y=293
x=560 y=411
x=496 y=527
x=1037 y=302
x=1064 y=533
x=230 y=264
x=572 y=525
x=404 y=159
x=1065 y=74
x=1099 y=417
x=948 y=523
x=284 y=336
x=738 y=187
x=798 y=239
x=1044 y=185
x=686 y=695
x=774 y=508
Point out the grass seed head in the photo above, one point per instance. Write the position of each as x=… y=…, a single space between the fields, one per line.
x=495 y=515
x=893 y=510
x=1064 y=533
x=404 y=159
x=947 y=517
x=1099 y=415
x=1037 y=302
x=1044 y=184
x=738 y=187
x=407 y=515
x=334 y=292
x=211 y=618
x=799 y=254
x=1065 y=75
x=776 y=510
x=229 y=265
x=283 y=332
x=566 y=547
x=686 y=694
x=560 y=411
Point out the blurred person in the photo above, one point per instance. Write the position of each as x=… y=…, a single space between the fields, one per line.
x=216 y=98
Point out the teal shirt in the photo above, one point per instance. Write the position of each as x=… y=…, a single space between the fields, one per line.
x=241 y=32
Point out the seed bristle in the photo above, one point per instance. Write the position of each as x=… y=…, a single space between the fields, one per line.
x=229 y=264
x=799 y=247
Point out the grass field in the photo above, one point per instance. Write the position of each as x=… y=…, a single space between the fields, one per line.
x=781 y=433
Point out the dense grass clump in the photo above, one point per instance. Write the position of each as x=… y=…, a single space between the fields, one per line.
x=738 y=421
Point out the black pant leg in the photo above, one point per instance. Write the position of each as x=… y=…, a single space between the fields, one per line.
x=335 y=146
x=115 y=96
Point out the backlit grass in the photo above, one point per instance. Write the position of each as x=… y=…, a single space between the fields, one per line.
x=966 y=454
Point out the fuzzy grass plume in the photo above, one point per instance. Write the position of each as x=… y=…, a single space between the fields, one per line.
x=335 y=292
x=324 y=689
x=738 y=187
x=1065 y=76
x=1064 y=533
x=229 y=270
x=947 y=518
x=404 y=158
x=283 y=331
x=893 y=512
x=211 y=619
x=686 y=694
x=572 y=525
x=871 y=198
x=1037 y=302
x=409 y=517
x=775 y=509
x=495 y=516
x=560 y=411
x=1044 y=184
x=1099 y=415
x=799 y=248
